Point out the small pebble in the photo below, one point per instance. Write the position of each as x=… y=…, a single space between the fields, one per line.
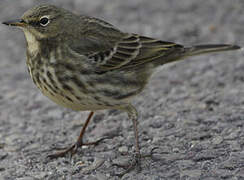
x=123 y=149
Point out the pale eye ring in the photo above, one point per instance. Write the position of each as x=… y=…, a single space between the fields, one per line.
x=44 y=21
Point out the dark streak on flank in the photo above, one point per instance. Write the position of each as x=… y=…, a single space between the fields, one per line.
x=63 y=79
x=44 y=80
x=45 y=88
x=37 y=76
x=101 y=102
x=109 y=93
x=55 y=87
x=67 y=87
x=68 y=98
x=49 y=86
x=78 y=98
x=118 y=81
x=117 y=94
x=78 y=83
x=127 y=95
x=68 y=66
x=52 y=89
x=50 y=76
x=51 y=93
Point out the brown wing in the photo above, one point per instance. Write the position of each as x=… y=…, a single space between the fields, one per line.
x=125 y=51
x=134 y=50
x=107 y=48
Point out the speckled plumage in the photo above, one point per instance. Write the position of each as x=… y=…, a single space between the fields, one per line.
x=84 y=63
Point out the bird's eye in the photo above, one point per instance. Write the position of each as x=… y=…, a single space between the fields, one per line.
x=44 y=21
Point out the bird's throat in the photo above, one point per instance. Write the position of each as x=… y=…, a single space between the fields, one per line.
x=32 y=43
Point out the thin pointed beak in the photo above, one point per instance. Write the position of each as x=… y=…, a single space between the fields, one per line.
x=16 y=22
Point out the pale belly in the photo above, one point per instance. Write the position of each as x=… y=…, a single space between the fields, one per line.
x=86 y=104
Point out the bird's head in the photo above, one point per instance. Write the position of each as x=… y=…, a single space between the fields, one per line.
x=43 y=21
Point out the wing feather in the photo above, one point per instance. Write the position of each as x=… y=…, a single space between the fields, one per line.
x=107 y=48
x=126 y=50
x=133 y=50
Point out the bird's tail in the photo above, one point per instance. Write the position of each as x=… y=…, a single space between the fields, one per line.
x=209 y=48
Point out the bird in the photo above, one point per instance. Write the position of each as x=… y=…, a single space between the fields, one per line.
x=87 y=64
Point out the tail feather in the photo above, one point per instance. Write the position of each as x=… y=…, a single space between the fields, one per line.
x=209 y=48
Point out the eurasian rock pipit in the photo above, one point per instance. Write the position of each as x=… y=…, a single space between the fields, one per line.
x=84 y=63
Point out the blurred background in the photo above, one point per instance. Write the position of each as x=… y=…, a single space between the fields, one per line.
x=192 y=110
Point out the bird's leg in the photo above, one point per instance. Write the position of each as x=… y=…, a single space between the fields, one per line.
x=136 y=159
x=73 y=149
x=133 y=115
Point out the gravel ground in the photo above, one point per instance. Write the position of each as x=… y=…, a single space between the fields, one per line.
x=191 y=110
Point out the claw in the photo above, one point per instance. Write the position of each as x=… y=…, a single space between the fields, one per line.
x=135 y=163
x=62 y=153
x=97 y=142
x=73 y=149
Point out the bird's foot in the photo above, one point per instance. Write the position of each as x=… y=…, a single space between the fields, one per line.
x=134 y=163
x=73 y=149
